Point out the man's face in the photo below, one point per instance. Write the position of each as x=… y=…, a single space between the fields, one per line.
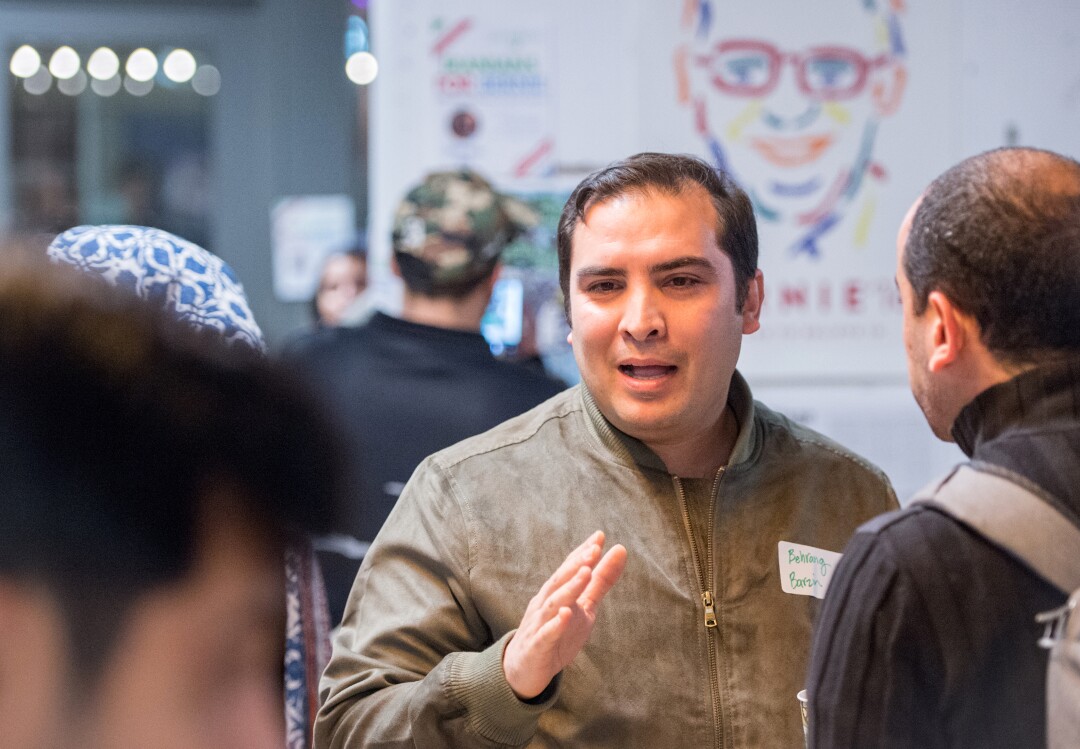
x=197 y=663
x=344 y=277
x=917 y=345
x=655 y=330
x=793 y=109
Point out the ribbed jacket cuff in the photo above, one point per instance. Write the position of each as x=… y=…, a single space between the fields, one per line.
x=492 y=709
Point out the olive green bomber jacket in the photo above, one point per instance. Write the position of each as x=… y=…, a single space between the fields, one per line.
x=481 y=526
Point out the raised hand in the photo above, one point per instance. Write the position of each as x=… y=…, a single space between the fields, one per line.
x=560 y=618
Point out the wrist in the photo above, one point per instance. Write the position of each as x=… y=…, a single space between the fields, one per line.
x=524 y=682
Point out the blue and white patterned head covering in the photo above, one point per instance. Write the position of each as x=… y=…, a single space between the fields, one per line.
x=183 y=278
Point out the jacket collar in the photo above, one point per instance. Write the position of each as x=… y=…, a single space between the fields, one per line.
x=1032 y=398
x=632 y=451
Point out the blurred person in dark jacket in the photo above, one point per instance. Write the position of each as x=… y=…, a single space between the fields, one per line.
x=405 y=387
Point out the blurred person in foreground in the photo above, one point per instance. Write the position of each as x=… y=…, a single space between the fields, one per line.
x=196 y=287
x=20 y=247
x=927 y=637
x=149 y=476
x=474 y=622
x=188 y=282
x=406 y=387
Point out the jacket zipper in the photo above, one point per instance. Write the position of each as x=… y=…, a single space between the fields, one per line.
x=708 y=603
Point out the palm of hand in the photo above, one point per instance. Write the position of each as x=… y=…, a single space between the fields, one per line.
x=560 y=617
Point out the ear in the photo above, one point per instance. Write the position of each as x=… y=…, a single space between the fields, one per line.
x=394 y=267
x=948 y=330
x=887 y=88
x=755 y=297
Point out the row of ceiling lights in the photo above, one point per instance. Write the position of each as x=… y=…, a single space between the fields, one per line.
x=103 y=66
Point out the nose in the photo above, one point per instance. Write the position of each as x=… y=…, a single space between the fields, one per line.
x=643 y=318
x=787 y=107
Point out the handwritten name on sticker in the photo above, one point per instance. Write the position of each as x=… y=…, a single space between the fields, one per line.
x=806 y=570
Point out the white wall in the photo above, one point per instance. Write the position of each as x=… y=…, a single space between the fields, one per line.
x=1020 y=82
x=284 y=124
x=981 y=73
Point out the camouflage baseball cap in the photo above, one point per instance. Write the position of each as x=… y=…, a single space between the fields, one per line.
x=456 y=225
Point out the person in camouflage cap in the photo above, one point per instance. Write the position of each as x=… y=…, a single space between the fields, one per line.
x=450 y=231
x=406 y=386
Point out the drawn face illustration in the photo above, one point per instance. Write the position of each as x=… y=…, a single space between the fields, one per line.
x=788 y=97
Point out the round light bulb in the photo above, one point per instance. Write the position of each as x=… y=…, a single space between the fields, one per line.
x=207 y=80
x=107 y=87
x=39 y=82
x=25 y=62
x=74 y=85
x=64 y=63
x=138 y=88
x=179 y=66
x=362 y=67
x=103 y=64
x=141 y=65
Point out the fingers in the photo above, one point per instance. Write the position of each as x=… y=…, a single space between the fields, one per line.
x=560 y=617
x=565 y=596
x=553 y=629
x=604 y=576
x=530 y=661
x=587 y=554
x=568 y=594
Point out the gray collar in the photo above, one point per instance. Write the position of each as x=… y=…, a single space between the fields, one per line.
x=632 y=451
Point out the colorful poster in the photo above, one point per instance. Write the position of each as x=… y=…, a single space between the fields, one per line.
x=491 y=84
x=820 y=110
x=810 y=107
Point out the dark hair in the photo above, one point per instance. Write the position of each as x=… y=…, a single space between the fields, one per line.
x=999 y=235
x=120 y=429
x=670 y=174
x=418 y=277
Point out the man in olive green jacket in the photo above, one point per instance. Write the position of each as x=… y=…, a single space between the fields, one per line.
x=694 y=629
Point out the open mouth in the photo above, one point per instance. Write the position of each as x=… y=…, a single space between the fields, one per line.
x=646 y=372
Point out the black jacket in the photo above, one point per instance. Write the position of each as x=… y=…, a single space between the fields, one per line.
x=927 y=637
x=400 y=392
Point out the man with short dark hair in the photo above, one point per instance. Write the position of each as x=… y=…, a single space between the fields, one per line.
x=928 y=635
x=693 y=629
x=148 y=477
x=406 y=387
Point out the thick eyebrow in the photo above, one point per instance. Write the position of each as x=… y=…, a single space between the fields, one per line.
x=590 y=271
x=691 y=261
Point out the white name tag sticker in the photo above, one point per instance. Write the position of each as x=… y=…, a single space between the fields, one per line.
x=806 y=570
